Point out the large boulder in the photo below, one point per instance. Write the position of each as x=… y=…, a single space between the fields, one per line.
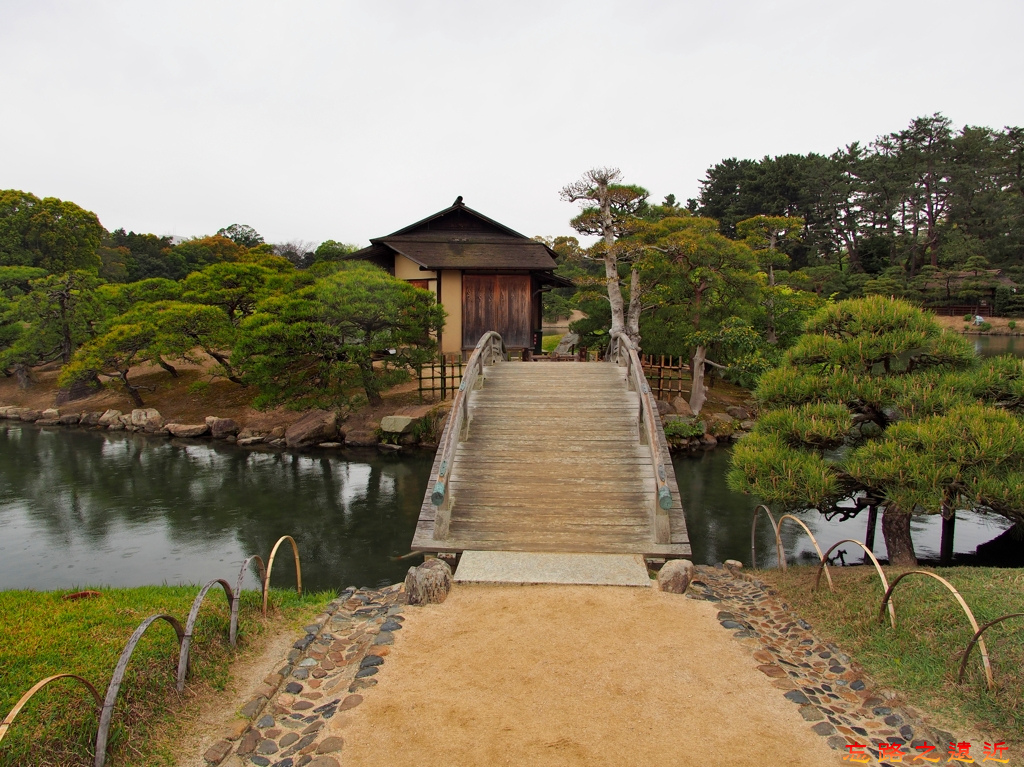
x=739 y=413
x=188 y=429
x=109 y=417
x=664 y=407
x=91 y=418
x=30 y=415
x=675 y=576
x=314 y=427
x=147 y=419
x=681 y=406
x=428 y=583
x=70 y=419
x=361 y=438
x=397 y=424
x=221 y=428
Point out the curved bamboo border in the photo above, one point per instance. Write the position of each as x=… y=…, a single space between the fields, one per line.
x=115 y=681
x=963 y=604
x=238 y=592
x=817 y=548
x=878 y=569
x=976 y=638
x=779 y=551
x=186 y=640
x=270 y=566
x=9 y=719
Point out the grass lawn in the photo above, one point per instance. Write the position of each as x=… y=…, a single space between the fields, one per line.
x=548 y=343
x=44 y=634
x=921 y=656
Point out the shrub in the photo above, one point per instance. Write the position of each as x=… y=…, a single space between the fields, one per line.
x=1012 y=324
x=985 y=327
x=968 y=318
x=679 y=430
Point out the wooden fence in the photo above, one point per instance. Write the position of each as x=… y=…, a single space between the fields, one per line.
x=441 y=378
x=666 y=375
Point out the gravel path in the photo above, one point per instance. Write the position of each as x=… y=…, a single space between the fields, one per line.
x=569 y=675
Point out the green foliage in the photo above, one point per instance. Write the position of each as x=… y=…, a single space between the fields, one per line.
x=47 y=233
x=241 y=234
x=968 y=318
x=62 y=312
x=331 y=250
x=311 y=346
x=677 y=431
x=234 y=287
x=1012 y=324
x=943 y=427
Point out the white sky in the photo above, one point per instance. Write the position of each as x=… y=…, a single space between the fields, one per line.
x=341 y=120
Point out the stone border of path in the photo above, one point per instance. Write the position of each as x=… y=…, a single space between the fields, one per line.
x=288 y=724
x=834 y=694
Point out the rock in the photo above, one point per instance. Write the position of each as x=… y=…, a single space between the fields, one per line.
x=147 y=419
x=29 y=415
x=389 y=448
x=315 y=426
x=69 y=419
x=566 y=343
x=397 y=424
x=5 y=411
x=50 y=414
x=408 y=439
x=91 y=419
x=708 y=441
x=721 y=421
x=428 y=583
x=221 y=428
x=330 y=745
x=243 y=441
x=870 y=429
x=188 y=429
x=324 y=761
x=218 y=752
x=747 y=425
x=732 y=565
x=276 y=433
x=664 y=407
x=681 y=406
x=739 y=413
x=361 y=438
x=329 y=445
x=675 y=576
x=109 y=417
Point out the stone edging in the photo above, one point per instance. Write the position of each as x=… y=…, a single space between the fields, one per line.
x=288 y=724
x=831 y=689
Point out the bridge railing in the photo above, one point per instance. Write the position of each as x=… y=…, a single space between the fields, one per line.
x=489 y=349
x=623 y=353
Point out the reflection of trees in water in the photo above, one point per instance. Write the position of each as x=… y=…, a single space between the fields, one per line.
x=347 y=516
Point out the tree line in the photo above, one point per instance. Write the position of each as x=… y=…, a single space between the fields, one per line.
x=105 y=303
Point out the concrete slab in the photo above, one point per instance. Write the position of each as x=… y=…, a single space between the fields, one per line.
x=522 y=567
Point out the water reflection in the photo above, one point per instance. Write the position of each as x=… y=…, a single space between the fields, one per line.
x=92 y=508
x=992 y=346
x=718 y=521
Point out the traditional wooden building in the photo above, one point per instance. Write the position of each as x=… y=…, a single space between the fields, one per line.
x=487 y=276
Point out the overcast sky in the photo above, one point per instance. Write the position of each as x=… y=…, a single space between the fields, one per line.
x=340 y=120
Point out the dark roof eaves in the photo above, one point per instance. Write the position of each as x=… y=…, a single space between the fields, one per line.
x=449 y=209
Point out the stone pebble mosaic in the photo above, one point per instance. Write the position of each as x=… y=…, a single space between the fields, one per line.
x=834 y=696
x=293 y=722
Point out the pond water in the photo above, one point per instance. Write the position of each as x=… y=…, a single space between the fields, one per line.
x=87 y=508
x=82 y=508
x=719 y=520
x=993 y=346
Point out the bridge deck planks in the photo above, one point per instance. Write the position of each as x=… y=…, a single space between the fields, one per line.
x=553 y=462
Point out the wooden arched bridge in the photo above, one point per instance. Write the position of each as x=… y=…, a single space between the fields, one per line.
x=553 y=457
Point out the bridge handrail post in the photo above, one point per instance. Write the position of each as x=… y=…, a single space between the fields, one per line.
x=623 y=352
x=489 y=350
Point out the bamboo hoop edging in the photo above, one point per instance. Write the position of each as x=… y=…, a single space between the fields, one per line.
x=9 y=719
x=963 y=604
x=186 y=640
x=874 y=561
x=779 y=551
x=976 y=638
x=107 y=713
x=814 y=541
x=270 y=565
x=238 y=591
